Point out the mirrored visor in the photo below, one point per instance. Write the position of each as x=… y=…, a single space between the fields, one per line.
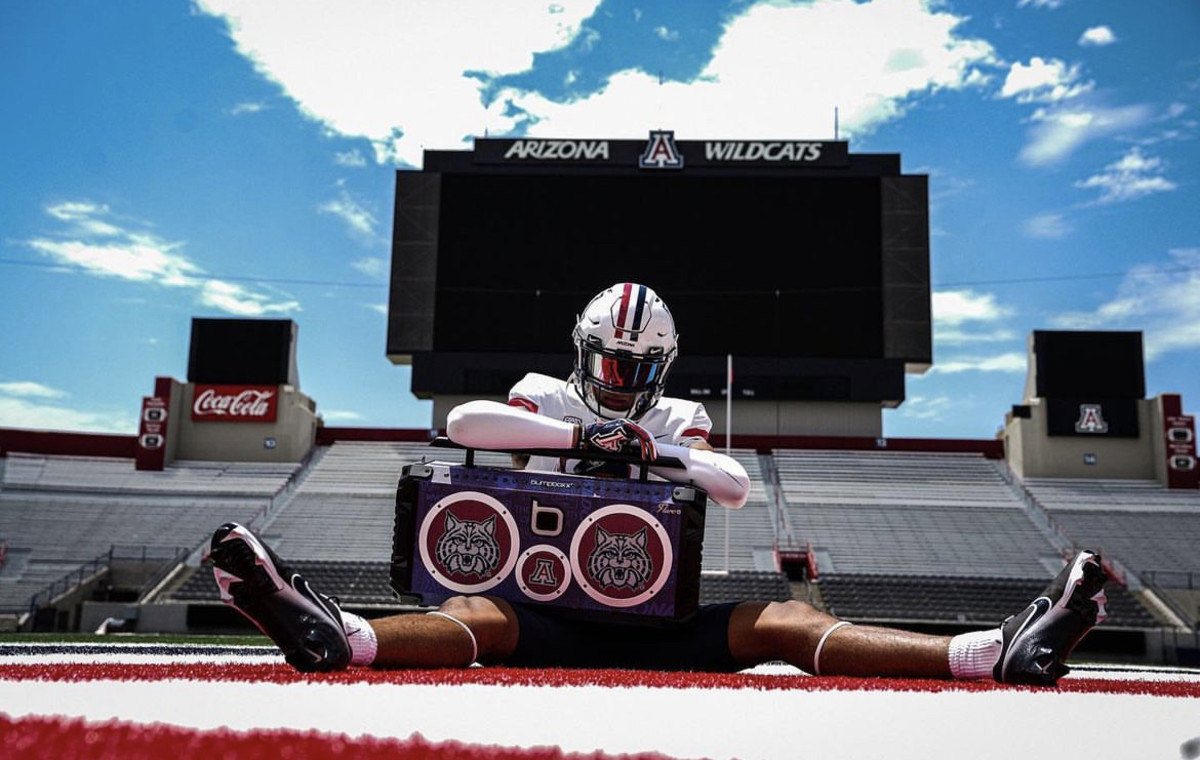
x=623 y=374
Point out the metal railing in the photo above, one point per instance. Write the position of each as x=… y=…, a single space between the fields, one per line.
x=91 y=569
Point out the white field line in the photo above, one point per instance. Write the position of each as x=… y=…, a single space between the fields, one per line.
x=681 y=723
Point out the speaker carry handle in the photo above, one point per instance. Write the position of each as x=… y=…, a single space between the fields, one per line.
x=606 y=456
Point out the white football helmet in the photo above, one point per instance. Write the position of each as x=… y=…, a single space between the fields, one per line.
x=625 y=343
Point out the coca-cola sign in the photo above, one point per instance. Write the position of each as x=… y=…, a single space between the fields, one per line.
x=235 y=403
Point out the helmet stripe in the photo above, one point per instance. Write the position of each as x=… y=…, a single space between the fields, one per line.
x=624 y=323
x=641 y=305
x=624 y=309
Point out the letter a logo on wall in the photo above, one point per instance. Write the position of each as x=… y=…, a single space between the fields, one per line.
x=1090 y=420
x=661 y=152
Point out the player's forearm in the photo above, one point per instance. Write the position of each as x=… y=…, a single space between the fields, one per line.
x=722 y=477
x=492 y=425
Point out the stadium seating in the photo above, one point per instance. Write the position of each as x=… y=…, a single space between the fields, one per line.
x=933 y=538
x=979 y=601
x=59 y=513
x=906 y=514
x=1151 y=530
x=752 y=530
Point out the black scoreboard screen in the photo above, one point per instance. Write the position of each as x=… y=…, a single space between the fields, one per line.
x=746 y=266
x=779 y=263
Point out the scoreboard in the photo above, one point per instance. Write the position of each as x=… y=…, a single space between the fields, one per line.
x=808 y=263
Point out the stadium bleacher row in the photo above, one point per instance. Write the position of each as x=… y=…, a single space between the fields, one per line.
x=892 y=536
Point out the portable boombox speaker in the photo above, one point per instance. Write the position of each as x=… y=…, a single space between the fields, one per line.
x=594 y=548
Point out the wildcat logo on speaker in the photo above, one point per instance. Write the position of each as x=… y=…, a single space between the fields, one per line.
x=468 y=542
x=621 y=556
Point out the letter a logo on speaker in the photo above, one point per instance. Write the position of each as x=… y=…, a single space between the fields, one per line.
x=661 y=152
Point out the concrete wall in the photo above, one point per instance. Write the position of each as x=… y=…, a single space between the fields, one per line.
x=288 y=439
x=1033 y=453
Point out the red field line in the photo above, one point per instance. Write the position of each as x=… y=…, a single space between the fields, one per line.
x=78 y=739
x=561 y=677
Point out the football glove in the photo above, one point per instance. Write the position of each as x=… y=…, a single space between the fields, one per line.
x=619 y=437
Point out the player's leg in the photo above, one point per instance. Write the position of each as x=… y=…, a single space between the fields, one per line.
x=315 y=634
x=1030 y=647
x=462 y=631
x=821 y=644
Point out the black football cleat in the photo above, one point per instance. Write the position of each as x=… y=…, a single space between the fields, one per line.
x=304 y=623
x=1037 y=641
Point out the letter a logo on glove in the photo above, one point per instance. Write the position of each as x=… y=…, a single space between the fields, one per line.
x=621 y=437
x=610 y=440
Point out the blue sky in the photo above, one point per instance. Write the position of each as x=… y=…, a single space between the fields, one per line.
x=165 y=160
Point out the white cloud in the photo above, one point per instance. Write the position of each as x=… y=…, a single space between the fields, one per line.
x=404 y=75
x=357 y=218
x=352 y=158
x=1043 y=81
x=664 y=33
x=1011 y=362
x=372 y=266
x=26 y=415
x=244 y=108
x=415 y=75
x=1134 y=175
x=954 y=307
x=1040 y=3
x=1059 y=131
x=380 y=308
x=91 y=243
x=1048 y=226
x=874 y=58
x=142 y=258
x=30 y=389
x=1097 y=36
x=964 y=316
x=340 y=415
x=235 y=299
x=925 y=408
x=1161 y=300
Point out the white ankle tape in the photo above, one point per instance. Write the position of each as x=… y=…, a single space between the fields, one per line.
x=465 y=627
x=821 y=644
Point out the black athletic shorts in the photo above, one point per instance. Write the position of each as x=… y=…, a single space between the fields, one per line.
x=549 y=640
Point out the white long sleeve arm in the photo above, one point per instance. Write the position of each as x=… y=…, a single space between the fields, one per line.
x=722 y=477
x=492 y=425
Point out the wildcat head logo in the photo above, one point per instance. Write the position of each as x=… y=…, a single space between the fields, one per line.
x=621 y=556
x=468 y=542
x=468 y=548
x=620 y=561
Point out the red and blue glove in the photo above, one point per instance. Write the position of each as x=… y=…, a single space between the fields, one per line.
x=619 y=437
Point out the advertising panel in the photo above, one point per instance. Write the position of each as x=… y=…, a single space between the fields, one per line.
x=235 y=403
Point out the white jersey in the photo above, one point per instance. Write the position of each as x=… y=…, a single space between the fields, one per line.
x=672 y=420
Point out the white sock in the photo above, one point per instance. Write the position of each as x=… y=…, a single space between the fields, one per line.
x=363 y=643
x=973 y=655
